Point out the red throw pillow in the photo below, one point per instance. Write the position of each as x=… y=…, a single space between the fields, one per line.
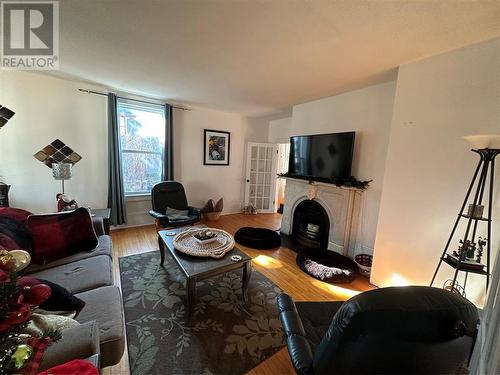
x=17 y=214
x=76 y=366
x=14 y=233
x=59 y=235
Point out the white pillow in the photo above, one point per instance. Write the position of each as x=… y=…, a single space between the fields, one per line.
x=41 y=323
x=172 y=213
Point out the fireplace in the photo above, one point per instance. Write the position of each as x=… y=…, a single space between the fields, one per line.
x=332 y=212
x=311 y=225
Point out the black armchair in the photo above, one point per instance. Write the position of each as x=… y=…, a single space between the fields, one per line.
x=171 y=194
x=414 y=329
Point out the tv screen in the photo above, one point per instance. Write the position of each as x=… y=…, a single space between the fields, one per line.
x=322 y=155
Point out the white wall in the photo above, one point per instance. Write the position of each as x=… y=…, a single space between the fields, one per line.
x=429 y=165
x=279 y=130
x=367 y=111
x=204 y=182
x=48 y=108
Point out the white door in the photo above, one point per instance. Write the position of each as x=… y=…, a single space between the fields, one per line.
x=281 y=167
x=260 y=179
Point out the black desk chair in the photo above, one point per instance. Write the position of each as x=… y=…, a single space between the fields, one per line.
x=414 y=329
x=171 y=194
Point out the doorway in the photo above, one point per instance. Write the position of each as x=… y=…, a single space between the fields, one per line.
x=260 y=176
x=282 y=167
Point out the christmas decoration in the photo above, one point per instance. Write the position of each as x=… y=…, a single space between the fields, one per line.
x=21 y=258
x=17 y=351
x=20 y=358
x=337 y=181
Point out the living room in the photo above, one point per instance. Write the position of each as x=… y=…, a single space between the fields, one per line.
x=242 y=104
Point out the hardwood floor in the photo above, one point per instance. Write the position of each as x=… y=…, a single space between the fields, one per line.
x=278 y=265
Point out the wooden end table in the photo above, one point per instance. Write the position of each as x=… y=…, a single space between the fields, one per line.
x=104 y=214
x=200 y=268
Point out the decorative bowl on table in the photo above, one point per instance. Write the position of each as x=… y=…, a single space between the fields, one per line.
x=217 y=247
x=205 y=236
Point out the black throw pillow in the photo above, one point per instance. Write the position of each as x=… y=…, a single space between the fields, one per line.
x=61 y=299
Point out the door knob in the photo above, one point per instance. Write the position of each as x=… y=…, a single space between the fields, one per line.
x=248 y=180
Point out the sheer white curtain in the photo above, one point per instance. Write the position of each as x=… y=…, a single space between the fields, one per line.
x=486 y=356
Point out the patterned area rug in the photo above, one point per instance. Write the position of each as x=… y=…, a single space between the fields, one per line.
x=227 y=336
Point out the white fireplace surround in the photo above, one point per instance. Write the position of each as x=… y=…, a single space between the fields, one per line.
x=340 y=203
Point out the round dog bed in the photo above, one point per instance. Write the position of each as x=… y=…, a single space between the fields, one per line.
x=327 y=266
x=257 y=238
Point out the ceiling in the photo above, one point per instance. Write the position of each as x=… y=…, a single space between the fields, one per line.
x=259 y=56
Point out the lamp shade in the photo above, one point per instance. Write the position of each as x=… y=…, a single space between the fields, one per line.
x=62 y=171
x=482 y=141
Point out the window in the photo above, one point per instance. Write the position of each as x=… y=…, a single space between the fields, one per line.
x=142 y=140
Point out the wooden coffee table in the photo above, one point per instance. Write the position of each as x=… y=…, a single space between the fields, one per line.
x=200 y=268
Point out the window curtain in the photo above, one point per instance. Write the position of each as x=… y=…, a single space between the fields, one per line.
x=486 y=356
x=116 y=193
x=168 y=153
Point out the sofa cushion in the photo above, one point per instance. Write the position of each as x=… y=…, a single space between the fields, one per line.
x=77 y=342
x=104 y=305
x=82 y=275
x=61 y=234
x=104 y=247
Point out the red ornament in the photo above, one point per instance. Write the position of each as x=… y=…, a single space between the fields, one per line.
x=35 y=295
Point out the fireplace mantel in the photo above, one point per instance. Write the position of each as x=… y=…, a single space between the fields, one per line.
x=341 y=204
x=319 y=183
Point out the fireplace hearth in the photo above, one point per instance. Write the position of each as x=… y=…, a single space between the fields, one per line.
x=311 y=225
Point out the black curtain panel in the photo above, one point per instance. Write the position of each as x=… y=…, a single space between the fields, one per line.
x=168 y=153
x=116 y=191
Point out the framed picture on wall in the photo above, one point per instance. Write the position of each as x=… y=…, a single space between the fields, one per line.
x=216 y=147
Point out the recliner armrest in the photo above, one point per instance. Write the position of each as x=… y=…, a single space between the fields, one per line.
x=296 y=342
x=157 y=215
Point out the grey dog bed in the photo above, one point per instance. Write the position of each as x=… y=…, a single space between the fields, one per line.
x=326 y=265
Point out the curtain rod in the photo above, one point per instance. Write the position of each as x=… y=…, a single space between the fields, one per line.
x=135 y=100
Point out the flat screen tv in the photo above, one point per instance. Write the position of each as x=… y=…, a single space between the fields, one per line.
x=322 y=156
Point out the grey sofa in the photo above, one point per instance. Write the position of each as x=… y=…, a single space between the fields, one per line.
x=89 y=275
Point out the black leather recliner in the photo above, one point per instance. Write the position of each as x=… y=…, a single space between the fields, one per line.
x=171 y=194
x=413 y=329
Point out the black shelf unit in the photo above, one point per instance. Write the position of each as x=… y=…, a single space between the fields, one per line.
x=4 y=195
x=485 y=166
x=474 y=218
x=463 y=267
